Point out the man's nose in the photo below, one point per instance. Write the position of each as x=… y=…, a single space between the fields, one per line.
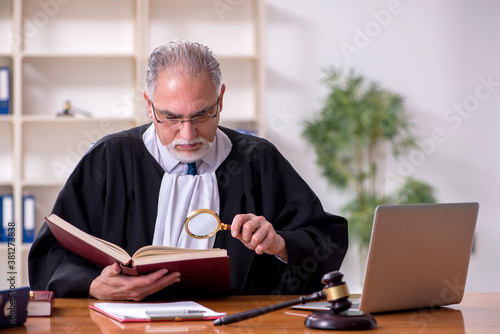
x=188 y=130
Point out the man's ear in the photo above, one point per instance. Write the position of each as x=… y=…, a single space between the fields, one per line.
x=222 y=90
x=148 y=103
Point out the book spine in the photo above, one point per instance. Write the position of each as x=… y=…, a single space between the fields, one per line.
x=4 y=90
x=29 y=209
x=7 y=214
x=131 y=271
x=41 y=303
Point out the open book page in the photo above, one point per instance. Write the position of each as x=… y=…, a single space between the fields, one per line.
x=131 y=312
x=71 y=232
x=153 y=254
x=153 y=250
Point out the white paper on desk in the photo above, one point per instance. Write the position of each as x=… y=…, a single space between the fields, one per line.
x=137 y=311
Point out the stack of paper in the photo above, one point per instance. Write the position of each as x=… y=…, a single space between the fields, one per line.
x=138 y=312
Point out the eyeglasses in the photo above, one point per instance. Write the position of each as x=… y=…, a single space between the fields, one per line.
x=176 y=123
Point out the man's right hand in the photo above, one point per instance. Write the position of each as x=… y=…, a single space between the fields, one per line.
x=112 y=285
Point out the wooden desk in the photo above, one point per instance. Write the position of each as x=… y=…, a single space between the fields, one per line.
x=478 y=313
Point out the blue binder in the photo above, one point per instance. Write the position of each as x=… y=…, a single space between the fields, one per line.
x=29 y=218
x=4 y=90
x=6 y=216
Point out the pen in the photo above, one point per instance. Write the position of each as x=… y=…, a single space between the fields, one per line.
x=173 y=314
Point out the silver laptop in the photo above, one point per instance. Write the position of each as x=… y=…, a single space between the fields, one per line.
x=418 y=257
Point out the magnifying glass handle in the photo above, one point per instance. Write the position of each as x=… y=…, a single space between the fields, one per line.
x=225 y=227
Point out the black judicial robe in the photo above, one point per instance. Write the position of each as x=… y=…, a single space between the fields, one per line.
x=113 y=194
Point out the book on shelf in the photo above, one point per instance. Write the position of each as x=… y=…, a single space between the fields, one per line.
x=203 y=270
x=4 y=90
x=28 y=218
x=146 y=312
x=41 y=303
x=13 y=303
x=7 y=216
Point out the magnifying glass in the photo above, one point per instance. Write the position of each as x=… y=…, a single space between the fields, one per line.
x=204 y=223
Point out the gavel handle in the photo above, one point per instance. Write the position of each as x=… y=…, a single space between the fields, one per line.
x=229 y=319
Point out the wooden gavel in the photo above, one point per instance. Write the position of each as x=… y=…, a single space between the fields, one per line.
x=335 y=292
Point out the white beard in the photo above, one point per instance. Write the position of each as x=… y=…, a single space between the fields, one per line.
x=189 y=156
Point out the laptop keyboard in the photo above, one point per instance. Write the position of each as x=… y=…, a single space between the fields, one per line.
x=355 y=303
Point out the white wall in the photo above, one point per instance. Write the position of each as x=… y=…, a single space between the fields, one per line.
x=439 y=55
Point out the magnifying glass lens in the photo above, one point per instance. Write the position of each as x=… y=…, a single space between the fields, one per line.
x=202 y=224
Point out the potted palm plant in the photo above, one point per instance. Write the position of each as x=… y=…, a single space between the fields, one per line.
x=358 y=125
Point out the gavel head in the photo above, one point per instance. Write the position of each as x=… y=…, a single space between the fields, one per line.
x=336 y=291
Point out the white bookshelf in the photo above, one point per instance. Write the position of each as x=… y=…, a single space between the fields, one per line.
x=6 y=152
x=94 y=54
x=79 y=28
x=6 y=26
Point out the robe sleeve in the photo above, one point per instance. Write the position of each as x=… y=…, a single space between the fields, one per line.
x=111 y=194
x=51 y=267
x=316 y=241
x=257 y=179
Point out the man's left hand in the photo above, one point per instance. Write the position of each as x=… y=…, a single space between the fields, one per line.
x=257 y=234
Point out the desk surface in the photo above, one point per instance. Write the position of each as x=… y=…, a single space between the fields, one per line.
x=478 y=313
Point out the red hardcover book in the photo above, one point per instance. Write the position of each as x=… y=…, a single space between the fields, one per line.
x=41 y=303
x=205 y=270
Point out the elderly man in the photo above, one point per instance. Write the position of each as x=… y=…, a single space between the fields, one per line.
x=135 y=188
